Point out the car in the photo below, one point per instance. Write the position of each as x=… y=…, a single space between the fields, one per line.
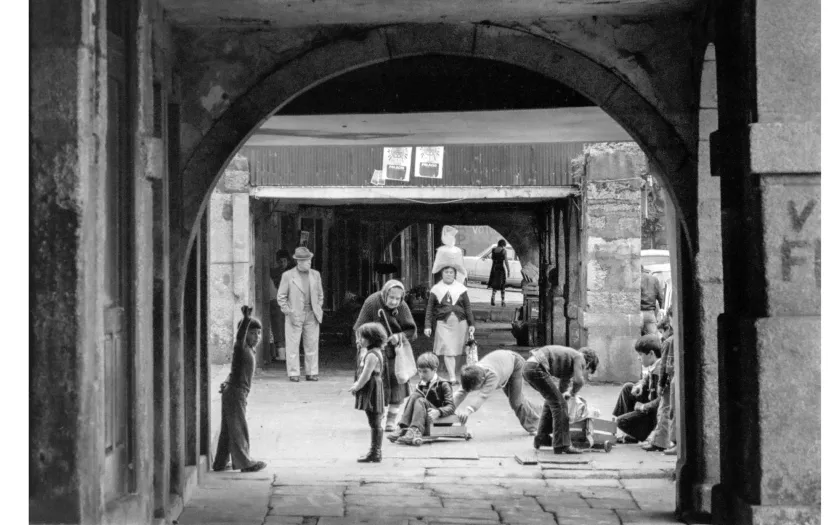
x=478 y=267
x=655 y=257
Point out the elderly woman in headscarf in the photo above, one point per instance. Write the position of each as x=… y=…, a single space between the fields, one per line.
x=391 y=302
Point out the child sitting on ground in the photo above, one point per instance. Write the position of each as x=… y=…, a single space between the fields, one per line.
x=430 y=401
x=637 y=404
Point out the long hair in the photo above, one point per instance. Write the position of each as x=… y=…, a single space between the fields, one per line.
x=374 y=333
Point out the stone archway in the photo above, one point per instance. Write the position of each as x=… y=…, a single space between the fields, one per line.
x=667 y=137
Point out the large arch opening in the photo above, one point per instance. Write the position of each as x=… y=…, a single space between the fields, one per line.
x=672 y=161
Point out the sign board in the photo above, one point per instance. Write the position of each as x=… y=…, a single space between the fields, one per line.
x=378 y=179
x=396 y=163
x=428 y=162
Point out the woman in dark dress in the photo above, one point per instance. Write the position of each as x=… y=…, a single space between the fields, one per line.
x=498 y=272
x=391 y=300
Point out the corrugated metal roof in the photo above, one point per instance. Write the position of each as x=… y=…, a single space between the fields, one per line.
x=546 y=164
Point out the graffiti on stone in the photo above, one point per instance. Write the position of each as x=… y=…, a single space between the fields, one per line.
x=800 y=252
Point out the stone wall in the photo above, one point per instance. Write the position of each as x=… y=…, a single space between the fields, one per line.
x=230 y=258
x=612 y=178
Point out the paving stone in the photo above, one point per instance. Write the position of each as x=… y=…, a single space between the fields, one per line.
x=605 y=492
x=311 y=505
x=580 y=474
x=612 y=503
x=646 y=473
x=648 y=500
x=308 y=489
x=652 y=484
x=468 y=492
x=495 y=472
x=283 y=520
x=526 y=517
x=423 y=513
x=522 y=504
x=380 y=500
x=568 y=466
x=357 y=520
x=563 y=501
x=527 y=458
x=576 y=516
x=386 y=489
x=582 y=483
x=457 y=503
x=641 y=517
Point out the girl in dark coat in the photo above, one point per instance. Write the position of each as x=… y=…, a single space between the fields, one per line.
x=498 y=272
x=390 y=300
x=368 y=388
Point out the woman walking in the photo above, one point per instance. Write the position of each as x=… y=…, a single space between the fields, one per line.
x=391 y=302
x=499 y=272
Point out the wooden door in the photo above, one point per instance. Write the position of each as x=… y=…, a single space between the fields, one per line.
x=117 y=376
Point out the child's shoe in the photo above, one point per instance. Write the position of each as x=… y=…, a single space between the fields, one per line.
x=397 y=434
x=411 y=437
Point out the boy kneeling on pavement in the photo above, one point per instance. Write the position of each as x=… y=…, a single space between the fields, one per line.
x=637 y=404
x=430 y=401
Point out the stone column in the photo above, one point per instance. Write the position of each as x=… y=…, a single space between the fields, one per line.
x=698 y=466
x=612 y=231
x=67 y=163
x=767 y=153
x=229 y=260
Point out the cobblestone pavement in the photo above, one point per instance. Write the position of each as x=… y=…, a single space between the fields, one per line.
x=310 y=436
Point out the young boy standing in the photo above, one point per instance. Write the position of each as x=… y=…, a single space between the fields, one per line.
x=500 y=369
x=430 y=401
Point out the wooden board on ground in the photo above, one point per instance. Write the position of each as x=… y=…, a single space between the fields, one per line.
x=526 y=458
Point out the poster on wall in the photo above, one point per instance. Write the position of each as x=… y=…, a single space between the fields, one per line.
x=396 y=163
x=428 y=162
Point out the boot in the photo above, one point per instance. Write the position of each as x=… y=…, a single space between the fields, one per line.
x=374 y=455
x=493 y=299
x=503 y=298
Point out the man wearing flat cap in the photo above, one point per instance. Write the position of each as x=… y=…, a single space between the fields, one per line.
x=301 y=297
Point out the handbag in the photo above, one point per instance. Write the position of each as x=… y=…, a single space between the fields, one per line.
x=404 y=365
x=471 y=351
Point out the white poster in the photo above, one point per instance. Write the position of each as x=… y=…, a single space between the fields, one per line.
x=377 y=179
x=396 y=163
x=428 y=162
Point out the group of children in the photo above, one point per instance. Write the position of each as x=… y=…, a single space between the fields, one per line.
x=505 y=370
x=644 y=409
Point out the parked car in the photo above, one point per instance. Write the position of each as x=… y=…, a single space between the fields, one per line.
x=478 y=267
x=655 y=257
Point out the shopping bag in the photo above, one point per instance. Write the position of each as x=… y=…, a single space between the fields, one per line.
x=471 y=351
x=404 y=365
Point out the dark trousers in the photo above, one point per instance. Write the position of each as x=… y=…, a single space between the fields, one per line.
x=635 y=424
x=555 y=413
x=415 y=413
x=278 y=328
x=526 y=412
x=233 y=437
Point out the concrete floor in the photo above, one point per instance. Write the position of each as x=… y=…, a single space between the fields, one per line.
x=310 y=436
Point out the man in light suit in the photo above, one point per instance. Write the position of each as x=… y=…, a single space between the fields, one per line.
x=301 y=297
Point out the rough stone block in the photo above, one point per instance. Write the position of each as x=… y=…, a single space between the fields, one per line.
x=616 y=161
x=789 y=408
x=580 y=516
x=646 y=517
x=376 y=500
x=792 y=238
x=612 y=503
x=787 y=61
x=785 y=147
x=525 y=517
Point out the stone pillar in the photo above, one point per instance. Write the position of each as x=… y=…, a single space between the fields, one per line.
x=67 y=168
x=574 y=275
x=767 y=154
x=612 y=233
x=229 y=260
x=557 y=299
x=699 y=461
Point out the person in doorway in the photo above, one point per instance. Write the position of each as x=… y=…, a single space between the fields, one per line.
x=449 y=307
x=391 y=302
x=368 y=388
x=499 y=271
x=234 y=442
x=277 y=319
x=431 y=400
x=572 y=368
x=663 y=437
x=301 y=298
x=500 y=369
x=635 y=409
x=652 y=300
